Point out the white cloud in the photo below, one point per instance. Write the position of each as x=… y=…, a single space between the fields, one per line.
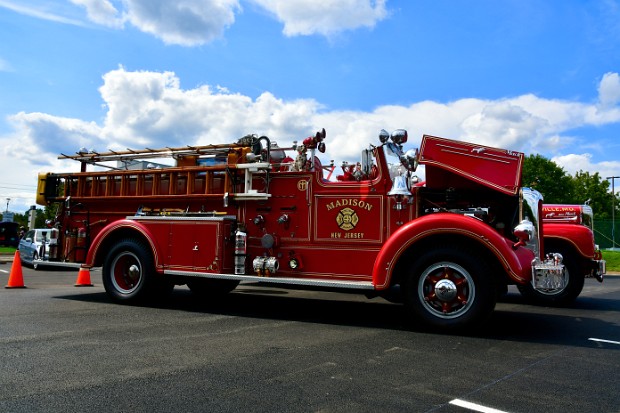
x=42 y=137
x=573 y=163
x=34 y=147
x=101 y=12
x=40 y=11
x=182 y=22
x=609 y=89
x=198 y=22
x=505 y=124
x=150 y=109
x=325 y=17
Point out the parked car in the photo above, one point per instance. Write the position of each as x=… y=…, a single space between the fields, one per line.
x=9 y=234
x=36 y=244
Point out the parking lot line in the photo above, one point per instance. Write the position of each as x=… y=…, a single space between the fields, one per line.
x=475 y=407
x=600 y=340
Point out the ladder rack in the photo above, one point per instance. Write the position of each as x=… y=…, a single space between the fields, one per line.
x=231 y=176
x=157 y=184
x=147 y=153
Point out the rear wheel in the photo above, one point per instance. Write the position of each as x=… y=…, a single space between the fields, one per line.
x=449 y=289
x=129 y=273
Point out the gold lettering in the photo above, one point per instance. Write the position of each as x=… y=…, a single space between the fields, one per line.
x=349 y=202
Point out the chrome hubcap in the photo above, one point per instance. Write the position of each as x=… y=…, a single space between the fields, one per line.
x=445 y=290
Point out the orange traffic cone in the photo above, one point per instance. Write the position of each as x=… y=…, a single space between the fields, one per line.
x=16 y=277
x=83 y=278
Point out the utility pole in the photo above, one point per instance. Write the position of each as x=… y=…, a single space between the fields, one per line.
x=613 y=210
x=7 y=204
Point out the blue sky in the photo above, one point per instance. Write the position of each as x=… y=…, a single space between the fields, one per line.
x=533 y=76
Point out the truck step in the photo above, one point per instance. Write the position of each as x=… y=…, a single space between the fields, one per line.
x=346 y=284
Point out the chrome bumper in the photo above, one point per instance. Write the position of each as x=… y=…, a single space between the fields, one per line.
x=549 y=275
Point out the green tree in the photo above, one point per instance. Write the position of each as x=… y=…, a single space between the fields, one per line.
x=558 y=187
x=595 y=190
x=44 y=215
x=548 y=178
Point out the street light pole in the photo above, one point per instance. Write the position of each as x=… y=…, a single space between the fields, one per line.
x=613 y=210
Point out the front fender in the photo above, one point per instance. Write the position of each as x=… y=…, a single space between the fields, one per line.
x=118 y=229
x=579 y=236
x=516 y=262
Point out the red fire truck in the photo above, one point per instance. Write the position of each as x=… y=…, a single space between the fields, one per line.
x=569 y=231
x=252 y=211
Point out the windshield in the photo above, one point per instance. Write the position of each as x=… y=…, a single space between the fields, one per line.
x=43 y=235
x=588 y=217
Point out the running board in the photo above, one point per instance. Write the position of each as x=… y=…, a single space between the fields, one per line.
x=36 y=263
x=354 y=285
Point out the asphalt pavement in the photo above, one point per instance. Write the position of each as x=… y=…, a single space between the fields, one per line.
x=70 y=349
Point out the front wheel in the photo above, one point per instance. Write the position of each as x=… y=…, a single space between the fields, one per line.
x=129 y=273
x=449 y=289
x=35 y=257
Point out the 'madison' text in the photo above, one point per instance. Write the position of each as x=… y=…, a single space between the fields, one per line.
x=349 y=202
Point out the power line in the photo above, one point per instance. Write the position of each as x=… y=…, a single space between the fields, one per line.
x=16 y=186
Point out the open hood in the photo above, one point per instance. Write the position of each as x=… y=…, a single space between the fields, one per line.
x=495 y=168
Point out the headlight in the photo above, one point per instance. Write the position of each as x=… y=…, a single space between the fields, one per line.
x=524 y=231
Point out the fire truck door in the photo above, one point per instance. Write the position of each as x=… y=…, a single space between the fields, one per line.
x=348 y=218
x=350 y=227
x=198 y=245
